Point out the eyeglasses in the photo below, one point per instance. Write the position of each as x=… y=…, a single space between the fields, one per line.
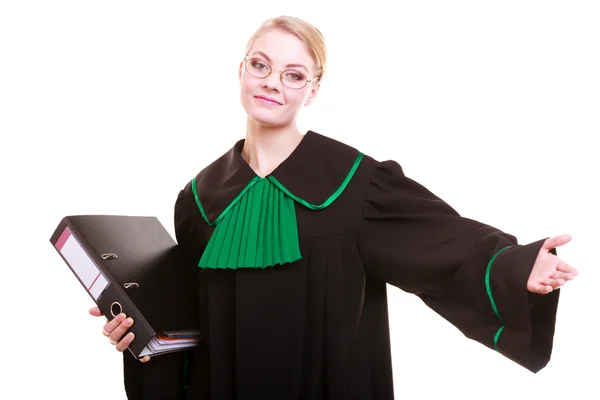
x=290 y=78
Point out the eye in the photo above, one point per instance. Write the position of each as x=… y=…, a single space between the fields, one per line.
x=258 y=64
x=294 y=76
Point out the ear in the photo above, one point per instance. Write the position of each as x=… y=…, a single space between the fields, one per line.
x=313 y=93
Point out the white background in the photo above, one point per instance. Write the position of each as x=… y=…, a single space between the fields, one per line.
x=110 y=107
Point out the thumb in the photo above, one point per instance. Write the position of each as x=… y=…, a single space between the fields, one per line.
x=95 y=311
x=556 y=241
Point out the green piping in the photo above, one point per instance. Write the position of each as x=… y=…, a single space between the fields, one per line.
x=195 y=191
x=497 y=336
x=488 y=289
x=331 y=198
x=327 y=202
x=229 y=207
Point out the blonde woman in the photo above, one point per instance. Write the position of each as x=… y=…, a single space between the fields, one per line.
x=294 y=236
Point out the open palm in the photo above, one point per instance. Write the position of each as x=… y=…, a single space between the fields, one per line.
x=549 y=272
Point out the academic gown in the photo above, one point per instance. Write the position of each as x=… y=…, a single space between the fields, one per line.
x=295 y=307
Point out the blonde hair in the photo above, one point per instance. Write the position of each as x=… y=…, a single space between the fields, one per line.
x=309 y=35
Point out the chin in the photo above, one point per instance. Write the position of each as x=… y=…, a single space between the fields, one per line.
x=268 y=118
x=269 y=122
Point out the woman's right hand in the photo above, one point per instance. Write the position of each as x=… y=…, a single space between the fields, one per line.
x=115 y=329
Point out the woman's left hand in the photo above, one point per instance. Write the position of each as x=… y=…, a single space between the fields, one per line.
x=550 y=272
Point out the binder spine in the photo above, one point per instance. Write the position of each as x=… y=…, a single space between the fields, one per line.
x=88 y=273
x=107 y=294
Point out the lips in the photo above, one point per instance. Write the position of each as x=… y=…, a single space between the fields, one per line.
x=267 y=100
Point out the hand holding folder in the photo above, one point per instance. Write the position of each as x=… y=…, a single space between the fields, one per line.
x=132 y=265
x=117 y=330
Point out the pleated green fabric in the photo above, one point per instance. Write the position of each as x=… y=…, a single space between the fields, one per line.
x=258 y=230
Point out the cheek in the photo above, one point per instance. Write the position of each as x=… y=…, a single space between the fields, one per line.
x=244 y=85
x=296 y=99
x=248 y=83
x=246 y=91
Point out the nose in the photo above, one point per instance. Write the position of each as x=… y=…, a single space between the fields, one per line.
x=273 y=81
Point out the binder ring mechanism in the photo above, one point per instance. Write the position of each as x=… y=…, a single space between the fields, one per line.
x=130 y=285
x=113 y=256
x=113 y=308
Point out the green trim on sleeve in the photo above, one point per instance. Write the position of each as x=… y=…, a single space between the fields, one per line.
x=488 y=289
x=497 y=336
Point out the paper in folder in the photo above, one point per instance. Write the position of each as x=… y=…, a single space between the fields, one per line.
x=131 y=264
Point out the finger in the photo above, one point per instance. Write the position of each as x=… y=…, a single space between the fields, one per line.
x=566 y=276
x=125 y=342
x=117 y=334
x=113 y=323
x=95 y=311
x=564 y=267
x=541 y=289
x=145 y=359
x=556 y=241
x=554 y=283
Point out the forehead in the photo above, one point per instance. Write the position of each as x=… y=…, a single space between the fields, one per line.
x=282 y=48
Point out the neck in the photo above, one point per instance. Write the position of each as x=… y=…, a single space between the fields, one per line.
x=265 y=147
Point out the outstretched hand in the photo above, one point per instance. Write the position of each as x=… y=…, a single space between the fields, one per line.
x=550 y=272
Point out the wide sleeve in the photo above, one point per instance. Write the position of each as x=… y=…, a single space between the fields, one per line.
x=470 y=273
x=164 y=377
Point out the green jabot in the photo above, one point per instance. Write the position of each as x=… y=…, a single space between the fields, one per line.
x=259 y=229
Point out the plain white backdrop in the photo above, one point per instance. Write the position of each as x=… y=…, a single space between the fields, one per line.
x=111 y=107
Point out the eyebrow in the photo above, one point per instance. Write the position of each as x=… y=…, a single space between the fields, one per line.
x=260 y=53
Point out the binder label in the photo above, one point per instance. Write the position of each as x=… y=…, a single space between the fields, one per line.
x=81 y=264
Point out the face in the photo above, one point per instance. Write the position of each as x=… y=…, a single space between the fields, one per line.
x=268 y=101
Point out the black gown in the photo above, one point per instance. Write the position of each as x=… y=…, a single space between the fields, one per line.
x=317 y=327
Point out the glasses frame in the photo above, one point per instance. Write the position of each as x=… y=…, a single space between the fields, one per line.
x=271 y=69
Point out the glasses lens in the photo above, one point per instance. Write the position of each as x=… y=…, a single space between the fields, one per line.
x=257 y=67
x=294 y=79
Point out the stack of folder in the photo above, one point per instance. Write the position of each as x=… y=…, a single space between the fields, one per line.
x=131 y=264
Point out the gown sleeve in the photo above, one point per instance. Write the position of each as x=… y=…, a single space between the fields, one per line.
x=470 y=273
x=164 y=377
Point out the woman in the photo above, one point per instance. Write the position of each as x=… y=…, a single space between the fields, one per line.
x=294 y=238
